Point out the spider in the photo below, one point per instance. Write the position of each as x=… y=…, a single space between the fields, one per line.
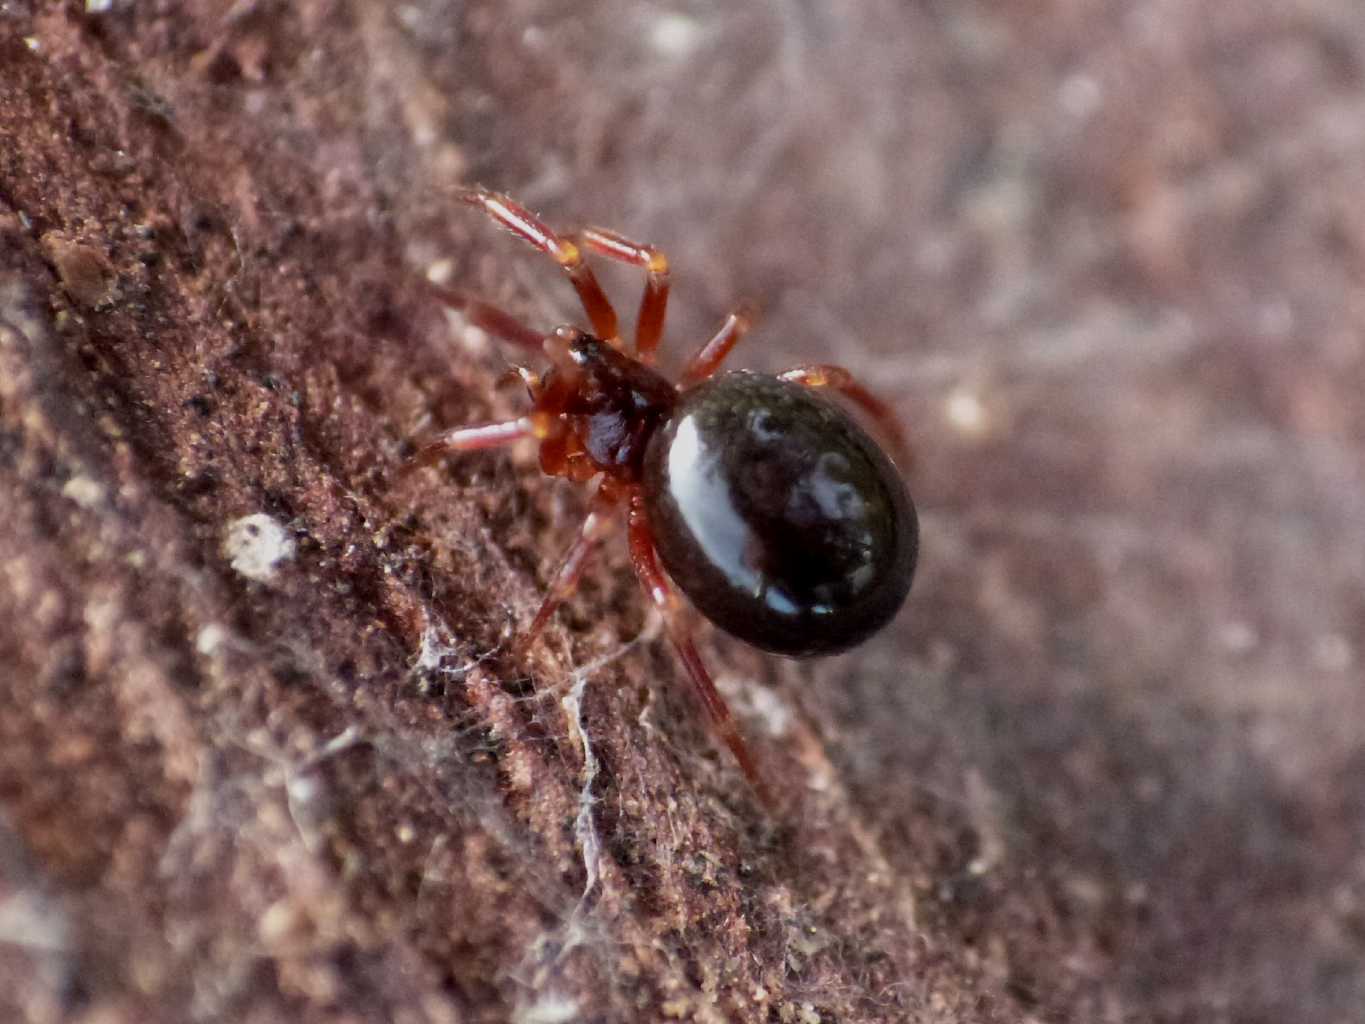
x=767 y=505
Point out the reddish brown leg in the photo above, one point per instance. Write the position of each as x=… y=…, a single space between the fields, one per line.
x=489 y=435
x=595 y=527
x=486 y=317
x=836 y=377
x=645 y=559
x=713 y=353
x=515 y=218
x=649 y=325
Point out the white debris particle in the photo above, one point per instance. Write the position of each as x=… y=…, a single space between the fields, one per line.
x=301 y=790
x=473 y=339
x=210 y=639
x=1275 y=319
x=1332 y=652
x=441 y=271
x=674 y=35
x=1080 y=96
x=820 y=779
x=100 y=616
x=758 y=702
x=83 y=491
x=278 y=922
x=29 y=921
x=966 y=413
x=1237 y=637
x=256 y=544
x=548 y=1009
x=98 y=6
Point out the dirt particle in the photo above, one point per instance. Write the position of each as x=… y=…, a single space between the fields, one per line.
x=85 y=272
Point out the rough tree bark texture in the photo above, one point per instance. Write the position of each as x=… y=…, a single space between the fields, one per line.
x=264 y=753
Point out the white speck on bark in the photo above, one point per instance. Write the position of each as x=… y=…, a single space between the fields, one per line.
x=256 y=545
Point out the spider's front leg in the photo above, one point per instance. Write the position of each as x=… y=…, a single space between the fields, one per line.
x=537 y=424
x=544 y=422
x=649 y=324
x=510 y=215
x=486 y=316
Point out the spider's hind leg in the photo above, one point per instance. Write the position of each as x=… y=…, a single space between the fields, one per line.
x=709 y=357
x=838 y=379
x=645 y=559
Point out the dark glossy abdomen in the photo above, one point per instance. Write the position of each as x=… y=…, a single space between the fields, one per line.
x=778 y=516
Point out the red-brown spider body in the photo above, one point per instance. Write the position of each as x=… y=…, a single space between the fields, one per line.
x=767 y=505
x=612 y=405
